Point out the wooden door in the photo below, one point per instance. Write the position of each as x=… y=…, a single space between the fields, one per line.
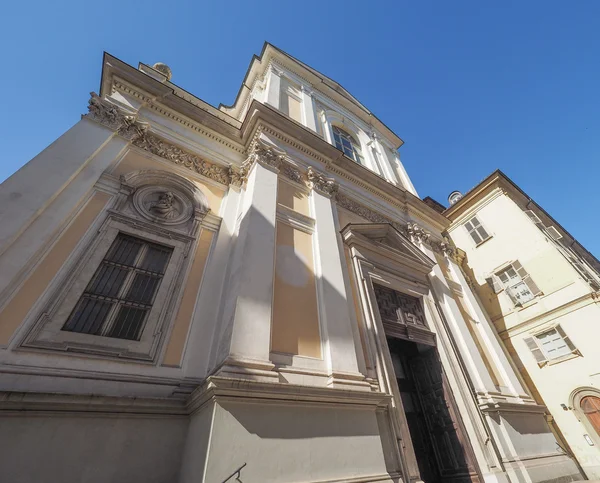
x=453 y=453
x=590 y=405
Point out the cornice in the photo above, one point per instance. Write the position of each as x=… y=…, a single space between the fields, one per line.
x=149 y=102
x=216 y=388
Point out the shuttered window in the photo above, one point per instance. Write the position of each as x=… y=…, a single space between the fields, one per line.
x=550 y=345
x=517 y=283
x=476 y=230
x=118 y=299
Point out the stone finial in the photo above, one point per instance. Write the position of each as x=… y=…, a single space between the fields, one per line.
x=164 y=69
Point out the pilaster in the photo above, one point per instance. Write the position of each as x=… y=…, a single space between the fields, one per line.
x=273 y=87
x=249 y=291
x=338 y=336
x=308 y=108
x=489 y=336
x=474 y=363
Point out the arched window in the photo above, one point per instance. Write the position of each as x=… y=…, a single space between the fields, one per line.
x=590 y=405
x=347 y=144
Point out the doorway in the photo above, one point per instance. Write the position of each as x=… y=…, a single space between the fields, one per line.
x=443 y=453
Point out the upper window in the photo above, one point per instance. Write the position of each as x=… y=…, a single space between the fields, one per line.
x=347 y=144
x=516 y=282
x=476 y=230
x=119 y=296
x=515 y=285
x=552 y=345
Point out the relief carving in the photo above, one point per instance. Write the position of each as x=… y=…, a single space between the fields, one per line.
x=319 y=182
x=398 y=307
x=170 y=152
x=167 y=206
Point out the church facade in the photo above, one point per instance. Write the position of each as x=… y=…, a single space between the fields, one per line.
x=246 y=293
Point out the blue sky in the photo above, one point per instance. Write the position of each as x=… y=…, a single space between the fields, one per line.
x=470 y=86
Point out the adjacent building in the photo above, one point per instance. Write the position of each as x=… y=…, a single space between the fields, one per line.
x=249 y=293
x=539 y=288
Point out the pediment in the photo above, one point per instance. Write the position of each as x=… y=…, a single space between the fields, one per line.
x=387 y=241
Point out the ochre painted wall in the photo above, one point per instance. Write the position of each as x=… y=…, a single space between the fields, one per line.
x=295 y=328
x=15 y=311
x=183 y=320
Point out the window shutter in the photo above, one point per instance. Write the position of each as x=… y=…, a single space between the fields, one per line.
x=533 y=288
x=493 y=282
x=533 y=217
x=554 y=233
x=566 y=338
x=512 y=296
x=540 y=358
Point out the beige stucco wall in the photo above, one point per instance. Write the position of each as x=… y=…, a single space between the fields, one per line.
x=515 y=237
x=565 y=300
x=17 y=308
x=295 y=329
x=556 y=382
x=181 y=326
x=295 y=316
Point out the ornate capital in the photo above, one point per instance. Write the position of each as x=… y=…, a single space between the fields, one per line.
x=292 y=173
x=417 y=234
x=319 y=182
x=111 y=116
x=262 y=153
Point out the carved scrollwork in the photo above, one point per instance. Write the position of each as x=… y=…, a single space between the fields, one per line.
x=262 y=153
x=319 y=182
x=418 y=234
x=291 y=173
x=170 y=152
x=355 y=207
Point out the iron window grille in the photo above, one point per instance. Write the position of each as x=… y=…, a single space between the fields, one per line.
x=119 y=297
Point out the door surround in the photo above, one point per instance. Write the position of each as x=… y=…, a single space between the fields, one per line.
x=379 y=254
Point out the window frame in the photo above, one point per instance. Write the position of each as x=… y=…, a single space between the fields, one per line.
x=474 y=229
x=356 y=147
x=541 y=356
x=101 y=289
x=126 y=213
x=509 y=285
x=51 y=336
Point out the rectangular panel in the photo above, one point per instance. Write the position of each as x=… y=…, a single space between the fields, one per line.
x=295 y=316
x=292 y=197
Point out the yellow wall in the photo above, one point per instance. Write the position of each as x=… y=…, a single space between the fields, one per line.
x=295 y=328
x=182 y=323
x=292 y=197
x=15 y=311
x=134 y=161
x=295 y=316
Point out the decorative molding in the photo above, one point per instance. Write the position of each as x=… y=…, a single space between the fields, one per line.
x=170 y=152
x=128 y=126
x=320 y=183
x=410 y=230
x=111 y=116
x=262 y=153
x=292 y=173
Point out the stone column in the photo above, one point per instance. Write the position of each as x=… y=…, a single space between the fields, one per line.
x=338 y=336
x=249 y=291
